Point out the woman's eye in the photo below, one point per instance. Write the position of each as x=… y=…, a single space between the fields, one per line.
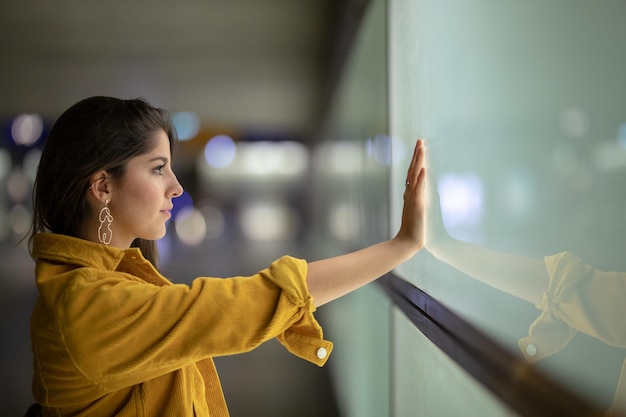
x=159 y=169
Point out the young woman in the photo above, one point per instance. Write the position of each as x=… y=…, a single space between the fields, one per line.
x=110 y=335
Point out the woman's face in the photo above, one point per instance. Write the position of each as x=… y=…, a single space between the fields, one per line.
x=142 y=200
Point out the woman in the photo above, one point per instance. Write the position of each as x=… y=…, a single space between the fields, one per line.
x=110 y=335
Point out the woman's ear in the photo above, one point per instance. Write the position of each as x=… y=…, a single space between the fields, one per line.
x=100 y=186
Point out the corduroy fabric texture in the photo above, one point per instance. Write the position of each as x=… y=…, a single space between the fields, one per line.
x=112 y=336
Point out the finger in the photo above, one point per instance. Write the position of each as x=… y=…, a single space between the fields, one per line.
x=418 y=170
x=421 y=158
x=413 y=171
x=421 y=152
x=421 y=179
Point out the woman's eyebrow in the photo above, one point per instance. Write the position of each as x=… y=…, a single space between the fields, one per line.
x=159 y=158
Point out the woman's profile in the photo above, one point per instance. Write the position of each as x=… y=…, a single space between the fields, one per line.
x=111 y=335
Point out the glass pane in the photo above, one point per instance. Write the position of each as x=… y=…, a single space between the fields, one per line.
x=523 y=107
x=428 y=383
x=351 y=175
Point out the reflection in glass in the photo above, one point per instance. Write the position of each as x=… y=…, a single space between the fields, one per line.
x=572 y=295
x=537 y=116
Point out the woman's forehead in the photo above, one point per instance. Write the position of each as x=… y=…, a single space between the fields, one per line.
x=160 y=145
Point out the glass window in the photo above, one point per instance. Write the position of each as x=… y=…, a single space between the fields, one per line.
x=523 y=108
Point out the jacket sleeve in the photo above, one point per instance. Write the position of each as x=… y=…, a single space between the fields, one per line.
x=120 y=330
x=579 y=298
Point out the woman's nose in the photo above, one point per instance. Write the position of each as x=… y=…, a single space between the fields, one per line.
x=177 y=189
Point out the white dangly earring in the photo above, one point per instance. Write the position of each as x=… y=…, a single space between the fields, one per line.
x=105 y=234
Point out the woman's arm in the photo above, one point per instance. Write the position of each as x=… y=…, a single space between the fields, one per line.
x=331 y=278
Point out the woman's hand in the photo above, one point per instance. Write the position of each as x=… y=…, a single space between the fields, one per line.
x=331 y=278
x=413 y=212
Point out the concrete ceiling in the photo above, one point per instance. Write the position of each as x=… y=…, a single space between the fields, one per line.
x=239 y=63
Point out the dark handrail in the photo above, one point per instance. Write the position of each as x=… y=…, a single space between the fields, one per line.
x=515 y=382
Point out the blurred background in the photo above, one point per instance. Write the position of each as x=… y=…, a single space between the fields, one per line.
x=247 y=83
x=296 y=121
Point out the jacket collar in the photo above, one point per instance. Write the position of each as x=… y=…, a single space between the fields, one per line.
x=80 y=252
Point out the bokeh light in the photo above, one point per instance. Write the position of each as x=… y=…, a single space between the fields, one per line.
x=341 y=157
x=273 y=158
x=190 y=226
x=379 y=149
x=26 y=129
x=214 y=219
x=344 y=220
x=269 y=222
x=20 y=220
x=260 y=158
x=18 y=185
x=220 y=151
x=225 y=161
x=399 y=151
x=295 y=158
x=180 y=203
x=345 y=157
x=461 y=197
x=187 y=124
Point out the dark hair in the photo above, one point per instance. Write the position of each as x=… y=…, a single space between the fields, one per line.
x=97 y=133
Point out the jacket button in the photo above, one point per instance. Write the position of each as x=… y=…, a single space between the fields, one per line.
x=321 y=353
x=531 y=350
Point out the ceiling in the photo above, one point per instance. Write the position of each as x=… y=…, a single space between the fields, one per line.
x=239 y=63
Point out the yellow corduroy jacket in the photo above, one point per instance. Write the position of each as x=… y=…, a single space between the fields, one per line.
x=112 y=336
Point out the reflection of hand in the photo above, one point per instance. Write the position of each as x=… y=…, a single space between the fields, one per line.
x=412 y=226
x=436 y=234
